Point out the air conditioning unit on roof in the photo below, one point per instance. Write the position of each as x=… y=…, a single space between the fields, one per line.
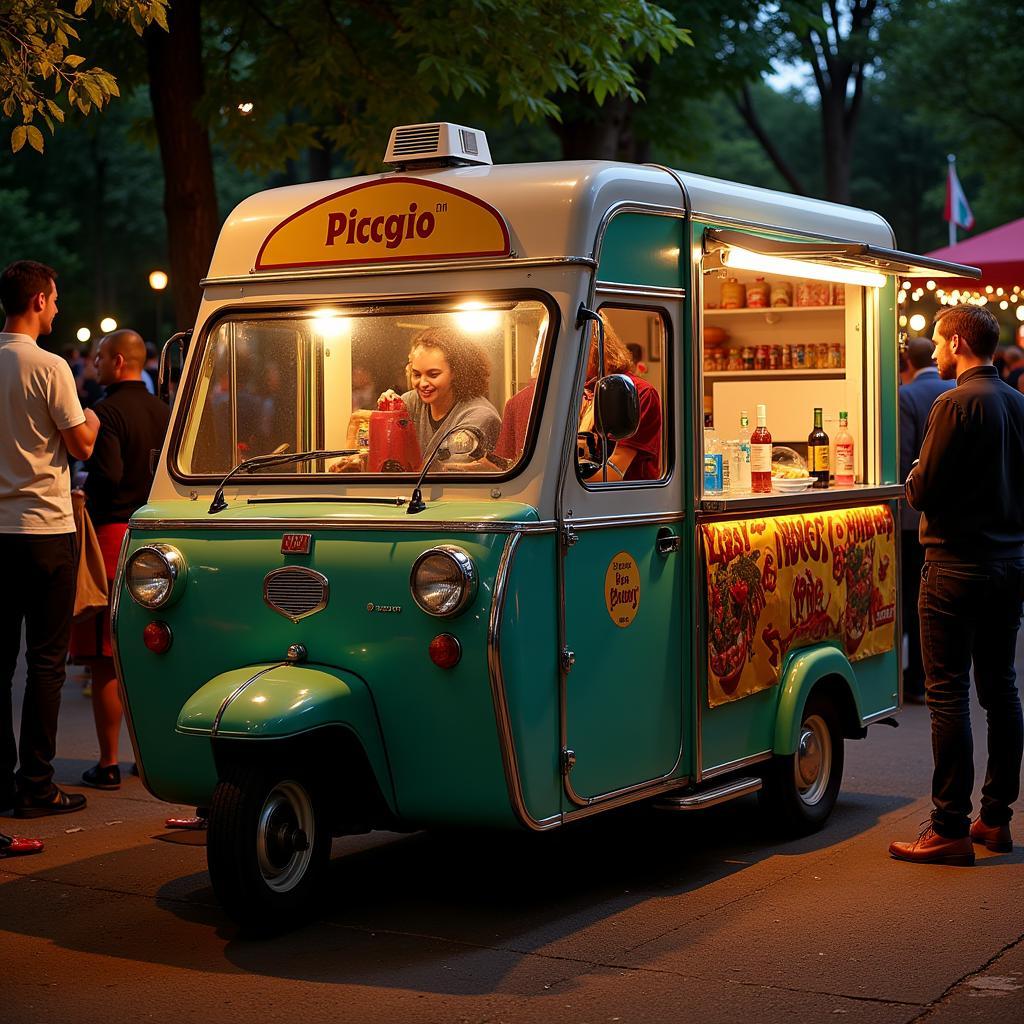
x=440 y=144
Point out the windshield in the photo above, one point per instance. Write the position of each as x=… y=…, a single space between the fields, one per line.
x=397 y=386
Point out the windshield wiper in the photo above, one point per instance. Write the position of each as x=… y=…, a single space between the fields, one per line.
x=444 y=453
x=259 y=461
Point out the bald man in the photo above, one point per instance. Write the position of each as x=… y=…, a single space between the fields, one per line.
x=119 y=478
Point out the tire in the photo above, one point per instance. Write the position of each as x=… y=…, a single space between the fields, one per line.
x=267 y=847
x=800 y=789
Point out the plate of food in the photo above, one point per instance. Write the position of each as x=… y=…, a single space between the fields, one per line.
x=792 y=484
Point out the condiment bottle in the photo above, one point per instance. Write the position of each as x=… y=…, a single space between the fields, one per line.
x=761 y=455
x=734 y=294
x=817 y=453
x=844 y=453
x=758 y=294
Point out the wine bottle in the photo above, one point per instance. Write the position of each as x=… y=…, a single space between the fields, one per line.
x=844 y=453
x=741 y=483
x=761 y=455
x=817 y=453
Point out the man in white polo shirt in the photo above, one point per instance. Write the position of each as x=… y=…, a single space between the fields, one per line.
x=41 y=422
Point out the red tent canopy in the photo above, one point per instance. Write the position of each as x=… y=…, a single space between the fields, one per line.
x=999 y=253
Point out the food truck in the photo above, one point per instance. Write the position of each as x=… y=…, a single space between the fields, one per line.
x=338 y=612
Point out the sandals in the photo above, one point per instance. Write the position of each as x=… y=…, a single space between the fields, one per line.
x=18 y=846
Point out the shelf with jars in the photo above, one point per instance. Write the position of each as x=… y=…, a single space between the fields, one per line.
x=770 y=311
x=822 y=374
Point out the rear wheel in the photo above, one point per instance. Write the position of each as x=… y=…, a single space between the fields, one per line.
x=267 y=846
x=800 y=789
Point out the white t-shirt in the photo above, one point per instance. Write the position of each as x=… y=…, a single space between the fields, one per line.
x=38 y=399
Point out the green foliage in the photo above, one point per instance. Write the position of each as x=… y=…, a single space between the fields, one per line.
x=36 y=58
x=954 y=69
x=342 y=73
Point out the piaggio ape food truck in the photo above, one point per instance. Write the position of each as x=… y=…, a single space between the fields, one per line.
x=338 y=612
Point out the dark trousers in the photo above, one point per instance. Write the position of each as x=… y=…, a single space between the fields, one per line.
x=971 y=612
x=911 y=563
x=39 y=590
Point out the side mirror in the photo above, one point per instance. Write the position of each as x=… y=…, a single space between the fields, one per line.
x=166 y=372
x=464 y=444
x=616 y=407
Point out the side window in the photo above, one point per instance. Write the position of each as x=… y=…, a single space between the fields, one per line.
x=635 y=344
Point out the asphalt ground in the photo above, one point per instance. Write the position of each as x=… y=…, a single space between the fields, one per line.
x=633 y=916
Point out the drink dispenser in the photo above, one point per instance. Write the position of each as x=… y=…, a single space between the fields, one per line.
x=394 y=447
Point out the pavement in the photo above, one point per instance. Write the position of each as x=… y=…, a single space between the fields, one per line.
x=632 y=916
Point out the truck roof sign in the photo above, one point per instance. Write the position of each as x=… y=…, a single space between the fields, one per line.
x=391 y=220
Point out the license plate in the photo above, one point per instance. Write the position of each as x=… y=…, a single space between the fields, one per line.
x=296 y=543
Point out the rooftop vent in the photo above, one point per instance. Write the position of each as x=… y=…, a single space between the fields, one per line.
x=440 y=144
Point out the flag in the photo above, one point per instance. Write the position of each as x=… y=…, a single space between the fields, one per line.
x=957 y=211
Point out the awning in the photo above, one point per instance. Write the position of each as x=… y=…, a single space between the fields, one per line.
x=849 y=255
x=999 y=253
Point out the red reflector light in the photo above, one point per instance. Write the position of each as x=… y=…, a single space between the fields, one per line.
x=445 y=651
x=157 y=637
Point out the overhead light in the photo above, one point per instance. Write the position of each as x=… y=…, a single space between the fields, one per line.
x=473 y=318
x=744 y=259
x=329 y=324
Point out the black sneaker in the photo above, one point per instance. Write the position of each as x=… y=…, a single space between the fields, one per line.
x=102 y=776
x=56 y=802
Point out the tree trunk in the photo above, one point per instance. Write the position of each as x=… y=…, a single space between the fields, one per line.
x=591 y=132
x=190 y=200
x=837 y=133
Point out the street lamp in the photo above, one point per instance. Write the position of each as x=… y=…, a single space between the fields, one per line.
x=108 y=324
x=84 y=334
x=158 y=282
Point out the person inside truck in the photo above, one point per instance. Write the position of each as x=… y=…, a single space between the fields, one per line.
x=633 y=458
x=448 y=377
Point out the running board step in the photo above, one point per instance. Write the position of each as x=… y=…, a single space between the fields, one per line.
x=701 y=798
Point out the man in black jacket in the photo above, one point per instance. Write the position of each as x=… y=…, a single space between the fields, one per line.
x=119 y=477
x=969 y=487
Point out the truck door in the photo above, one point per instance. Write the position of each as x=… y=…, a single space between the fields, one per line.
x=623 y=566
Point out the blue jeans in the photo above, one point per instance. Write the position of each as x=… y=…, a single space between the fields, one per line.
x=971 y=612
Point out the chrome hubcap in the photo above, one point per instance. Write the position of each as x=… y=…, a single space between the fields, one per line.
x=284 y=836
x=813 y=762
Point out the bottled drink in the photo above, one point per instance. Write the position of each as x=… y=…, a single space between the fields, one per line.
x=844 y=453
x=817 y=453
x=761 y=455
x=741 y=478
x=713 y=481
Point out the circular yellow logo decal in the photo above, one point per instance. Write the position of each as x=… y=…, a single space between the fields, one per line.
x=622 y=589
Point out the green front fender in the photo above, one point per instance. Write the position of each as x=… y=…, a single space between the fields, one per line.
x=281 y=700
x=803 y=669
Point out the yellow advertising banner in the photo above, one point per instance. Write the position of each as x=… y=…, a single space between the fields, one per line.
x=784 y=582
x=387 y=221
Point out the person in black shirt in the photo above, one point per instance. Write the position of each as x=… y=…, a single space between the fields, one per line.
x=119 y=477
x=969 y=487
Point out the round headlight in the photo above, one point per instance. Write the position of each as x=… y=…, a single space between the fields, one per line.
x=443 y=581
x=154 y=575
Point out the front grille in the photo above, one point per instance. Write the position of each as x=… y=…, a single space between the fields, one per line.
x=295 y=591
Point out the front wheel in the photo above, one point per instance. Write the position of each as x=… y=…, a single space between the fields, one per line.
x=800 y=789
x=267 y=846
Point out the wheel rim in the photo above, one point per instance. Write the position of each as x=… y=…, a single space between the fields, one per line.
x=284 y=836
x=812 y=765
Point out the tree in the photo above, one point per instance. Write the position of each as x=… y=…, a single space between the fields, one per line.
x=838 y=40
x=35 y=59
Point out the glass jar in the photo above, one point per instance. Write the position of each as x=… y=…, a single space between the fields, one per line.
x=782 y=293
x=758 y=294
x=799 y=357
x=748 y=358
x=734 y=294
x=787 y=357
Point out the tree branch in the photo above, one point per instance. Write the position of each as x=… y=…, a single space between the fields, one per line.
x=745 y=106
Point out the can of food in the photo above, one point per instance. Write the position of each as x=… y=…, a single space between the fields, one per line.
x=735 y=360
x=758 y=294
x=787 y=357
x=748 y=358
x=761 y=357
x=799 y=357
x=823 y=355
x=775 y=357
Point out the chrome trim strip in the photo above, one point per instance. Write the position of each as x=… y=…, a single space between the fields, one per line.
x=710 y=797
x=115 y=607
x=297 y=570
x=878 y=715
x=420 y=526
x=652 y=519
x=632 y=795
x=741 y=762
x=640 y=291
x=366 y=270
x=237 y=692
x=499 y=696
x=804 y=501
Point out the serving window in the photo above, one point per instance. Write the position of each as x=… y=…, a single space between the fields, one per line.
x=775 y=336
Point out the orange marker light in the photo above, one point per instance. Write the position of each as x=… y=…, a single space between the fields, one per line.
x=157 y=637
x=445 y=651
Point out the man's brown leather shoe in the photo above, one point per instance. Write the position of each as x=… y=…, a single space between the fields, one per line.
x=993 y=837
x=931 y=848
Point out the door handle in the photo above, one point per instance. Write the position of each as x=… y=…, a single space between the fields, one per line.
x=667 y=543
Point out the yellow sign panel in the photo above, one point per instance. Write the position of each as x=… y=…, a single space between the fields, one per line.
x=622 y=589
x=387 y=221
x=790 y=581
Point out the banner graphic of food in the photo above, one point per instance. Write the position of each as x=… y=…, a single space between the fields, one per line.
x=786 y=582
